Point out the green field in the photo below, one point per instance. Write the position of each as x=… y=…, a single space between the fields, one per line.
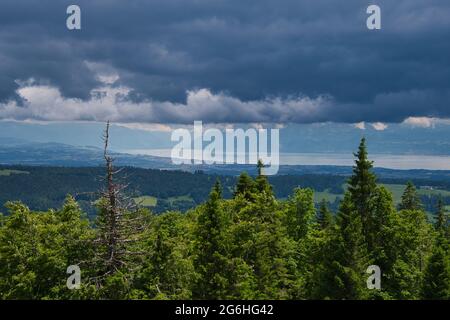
x=398 y=189
x=179 y=198
x=146 y=201
x=6 y=172
x=150 y=201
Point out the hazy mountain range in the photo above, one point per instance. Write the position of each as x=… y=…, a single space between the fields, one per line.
x=15 y=151
x=309 y=138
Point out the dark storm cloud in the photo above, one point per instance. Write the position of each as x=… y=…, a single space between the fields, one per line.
x=263 y=55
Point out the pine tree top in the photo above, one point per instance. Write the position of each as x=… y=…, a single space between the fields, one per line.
x=324 y=216
x=218 y=188
x=362 y=174
x=410 y=198
x=260 y=166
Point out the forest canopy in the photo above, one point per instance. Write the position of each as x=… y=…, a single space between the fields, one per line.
x=248 y=245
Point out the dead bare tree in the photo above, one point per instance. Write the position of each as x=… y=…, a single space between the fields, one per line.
x=120 y=223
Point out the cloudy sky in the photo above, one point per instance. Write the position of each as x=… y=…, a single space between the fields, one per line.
x=225 y=61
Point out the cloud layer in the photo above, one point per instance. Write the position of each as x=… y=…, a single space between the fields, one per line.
x=175 y=61
x=46 y=103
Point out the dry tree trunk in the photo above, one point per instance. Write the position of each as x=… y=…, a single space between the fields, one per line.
x=122 y=223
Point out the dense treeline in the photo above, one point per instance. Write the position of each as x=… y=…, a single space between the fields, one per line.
x=250 y=246
x=46 y=187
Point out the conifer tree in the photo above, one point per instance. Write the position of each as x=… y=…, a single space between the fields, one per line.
x=441 y=218
x=413 y=238
x=384 y=248
x=120 y=226
x=168 y=271
x=261 y=183
x=300 y=213
x=344 y=275
x=245 y=187
x=218 y=188
x=263 y=243
x=302 y=229
x=436 y=282
x=383 y=245
x=37 y=247
x=410 y=198
x=262 y=248
x=211 y=261
x=324 y=216
x=362 y=185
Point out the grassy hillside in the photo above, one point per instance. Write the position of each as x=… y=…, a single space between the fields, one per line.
x=146 y=201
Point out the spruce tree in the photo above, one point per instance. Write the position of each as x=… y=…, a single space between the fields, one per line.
x=324 y=216
x=441 y=218
x=261 y=241
x=245 y=187
x=362 y=186
x=384 y=249
x=413 y=241
x=344 y=274
x=261 y=182
x=263 y=254
x=218 y=188
x=37 y=247
x=383 y=210
x=211 y=261
x=302 y=228
x=410 y=198
x=300 y=213
x=436 y=282
x=168 y=271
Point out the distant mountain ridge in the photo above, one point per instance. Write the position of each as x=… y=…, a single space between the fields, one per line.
x=18 y=151
x=340 y=138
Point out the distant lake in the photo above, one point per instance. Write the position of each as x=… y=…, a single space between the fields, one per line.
x=380 y=160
